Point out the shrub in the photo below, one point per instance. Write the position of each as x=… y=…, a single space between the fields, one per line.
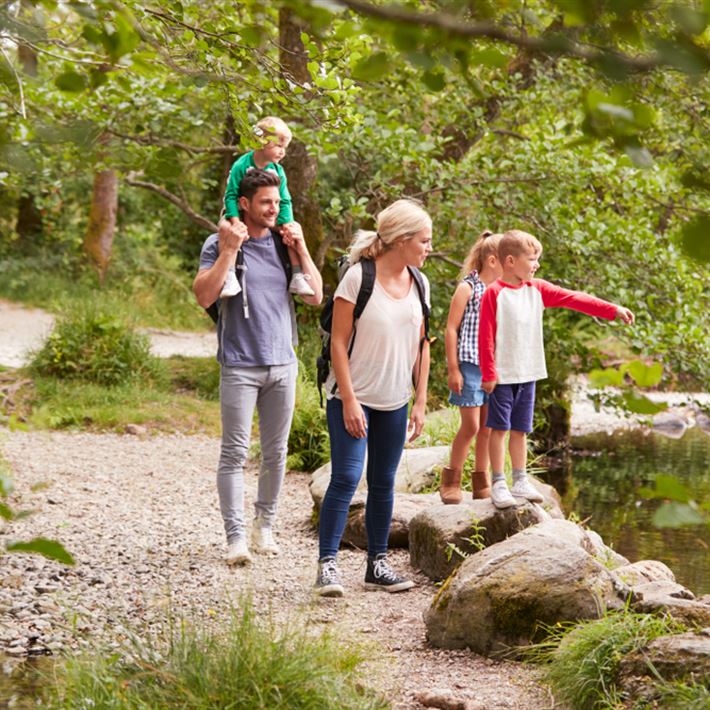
x=308 y=441
x=247 y=664
x=96 y=347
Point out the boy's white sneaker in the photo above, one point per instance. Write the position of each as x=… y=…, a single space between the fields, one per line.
x=262 y=539
x=522 y=488
x=231 y=285
x=238 y=553
x=299 y=285
x=500 y=495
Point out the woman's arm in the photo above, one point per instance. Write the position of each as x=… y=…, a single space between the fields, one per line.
x=451 y=337
x=341 y=331
x=421 y=384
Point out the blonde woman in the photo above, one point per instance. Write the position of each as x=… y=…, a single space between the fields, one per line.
x=369 y=388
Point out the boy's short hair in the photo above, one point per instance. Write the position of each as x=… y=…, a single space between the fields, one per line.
x=273 y=127
x=514 y=242
x=256 y=178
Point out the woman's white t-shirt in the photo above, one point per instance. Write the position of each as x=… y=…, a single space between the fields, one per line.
x=386 y=345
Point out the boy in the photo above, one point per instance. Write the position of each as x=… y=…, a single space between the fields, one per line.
x=512 y=354
x=274 y=136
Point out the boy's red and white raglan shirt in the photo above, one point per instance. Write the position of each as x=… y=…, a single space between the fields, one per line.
x=510 y=345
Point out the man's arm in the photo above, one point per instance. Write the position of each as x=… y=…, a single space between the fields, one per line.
x=293 y=237
x=208 y=282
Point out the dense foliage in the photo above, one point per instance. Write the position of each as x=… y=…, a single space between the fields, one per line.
x=583 y=123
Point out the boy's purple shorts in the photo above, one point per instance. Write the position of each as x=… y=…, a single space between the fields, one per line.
x=510 y=407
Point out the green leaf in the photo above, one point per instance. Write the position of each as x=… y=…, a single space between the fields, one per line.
x=42 y=546
x=372 y=68
x=488 y=58
x=71 y=81
x=638 y=404
x=645 y=375
x=696 y=238
x=676 y=515
x=6 y=512
x=667 y=487
x=639 y=155
x=434 y=80
x=609 y=377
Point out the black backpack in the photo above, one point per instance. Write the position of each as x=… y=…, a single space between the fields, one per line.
x=213 y=310
x=363 y=296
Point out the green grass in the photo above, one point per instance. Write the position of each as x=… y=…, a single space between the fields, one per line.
x=246 y=664
x=583 y=659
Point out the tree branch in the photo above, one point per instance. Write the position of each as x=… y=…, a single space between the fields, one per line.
x=191 y=149
x=456 y=27
x=182 y=204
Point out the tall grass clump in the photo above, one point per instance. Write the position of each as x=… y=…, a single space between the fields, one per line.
x=583 y=659
x=97 y=347
x=246 y=665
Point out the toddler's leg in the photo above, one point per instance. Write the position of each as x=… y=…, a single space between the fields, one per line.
x=231 y=284
x=298 y=285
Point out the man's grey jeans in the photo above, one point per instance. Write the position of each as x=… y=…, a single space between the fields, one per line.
x=272 y=390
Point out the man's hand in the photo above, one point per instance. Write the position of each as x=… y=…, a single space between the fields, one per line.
x=232 y=235
x=488 y=387
x=625 y=314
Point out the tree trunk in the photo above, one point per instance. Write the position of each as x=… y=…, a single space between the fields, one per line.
x=98 y=240
x=293 y=57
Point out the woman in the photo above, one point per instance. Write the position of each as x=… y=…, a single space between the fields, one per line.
x=370 y=388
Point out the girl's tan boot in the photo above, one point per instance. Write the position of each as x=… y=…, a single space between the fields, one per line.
x=481 y=485
x=450 y=488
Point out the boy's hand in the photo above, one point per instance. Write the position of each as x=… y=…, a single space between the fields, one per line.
x=456 y=381
x=488 y=387
x=625 y=314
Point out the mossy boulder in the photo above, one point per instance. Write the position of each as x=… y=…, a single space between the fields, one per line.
x=498 y=598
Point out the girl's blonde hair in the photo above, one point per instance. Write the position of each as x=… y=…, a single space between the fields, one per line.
x=400 y=221
x=486 y=245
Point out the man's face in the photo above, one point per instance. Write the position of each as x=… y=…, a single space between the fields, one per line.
x=263 y=208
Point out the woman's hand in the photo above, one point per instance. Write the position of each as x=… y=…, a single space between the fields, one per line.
x=354 y=419
x=416 y=420
x=456 y=381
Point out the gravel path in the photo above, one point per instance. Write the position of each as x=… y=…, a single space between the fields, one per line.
x=141 y=517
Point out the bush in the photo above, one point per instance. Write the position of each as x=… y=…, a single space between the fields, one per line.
x=308 y=441
x=95 y=347
x=247 y=665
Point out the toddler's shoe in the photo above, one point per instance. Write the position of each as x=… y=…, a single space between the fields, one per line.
x=522 y=488
x=299 y=285
x=500 y=495
x=231 y=285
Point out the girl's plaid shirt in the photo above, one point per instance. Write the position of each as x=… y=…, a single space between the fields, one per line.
x=468 y=331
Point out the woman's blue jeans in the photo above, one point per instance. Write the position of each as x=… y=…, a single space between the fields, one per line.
x=386 y=432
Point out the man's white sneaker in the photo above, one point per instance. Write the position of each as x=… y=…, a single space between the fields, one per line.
x=231 y=285
x=262 y=539
x=500 y=495
x=238 y=553
x=299 y=285
x=522 y=488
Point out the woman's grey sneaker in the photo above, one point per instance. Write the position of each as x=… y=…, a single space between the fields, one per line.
x=380 y=575
x=501 y=496
x=238 y=553
x=231 y=285
x=328 y=582
x=522 y=488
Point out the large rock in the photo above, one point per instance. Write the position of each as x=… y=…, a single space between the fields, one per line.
x=442 y=536
x=417 y=471
x=497 y=598
x=678 y=657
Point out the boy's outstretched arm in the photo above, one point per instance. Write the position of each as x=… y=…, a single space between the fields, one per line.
x=557 y=297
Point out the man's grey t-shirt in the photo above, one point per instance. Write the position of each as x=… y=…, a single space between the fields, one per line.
x=268 y=336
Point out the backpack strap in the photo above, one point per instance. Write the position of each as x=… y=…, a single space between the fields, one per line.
x=421 y=290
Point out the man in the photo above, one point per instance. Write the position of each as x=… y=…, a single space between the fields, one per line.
x=256 y=332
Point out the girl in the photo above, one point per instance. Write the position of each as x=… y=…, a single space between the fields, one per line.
x=369 y=390
x=481 y=268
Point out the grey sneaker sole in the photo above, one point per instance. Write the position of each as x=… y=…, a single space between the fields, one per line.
x=330 y=590
x=391 y=588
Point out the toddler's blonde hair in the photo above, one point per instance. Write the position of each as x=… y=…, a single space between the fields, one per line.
x=273 y=127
